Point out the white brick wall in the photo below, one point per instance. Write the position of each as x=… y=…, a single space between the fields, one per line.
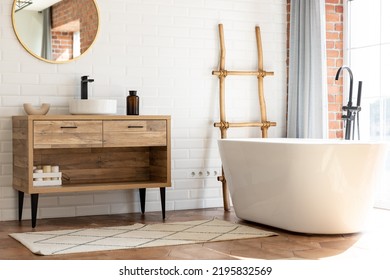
x=165 y=49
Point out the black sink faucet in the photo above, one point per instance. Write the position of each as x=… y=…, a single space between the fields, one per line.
x=84 y=86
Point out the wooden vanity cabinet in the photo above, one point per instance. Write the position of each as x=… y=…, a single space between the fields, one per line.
x=94 y=153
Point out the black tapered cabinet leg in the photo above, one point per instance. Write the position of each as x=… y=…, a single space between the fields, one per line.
x=162 y=195
x=142 y=197
x=34 y=208
x=20 y=204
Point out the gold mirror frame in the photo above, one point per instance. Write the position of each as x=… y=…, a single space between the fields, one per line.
x=70 y=25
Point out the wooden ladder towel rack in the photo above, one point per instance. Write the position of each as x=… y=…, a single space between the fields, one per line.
x=223 y=125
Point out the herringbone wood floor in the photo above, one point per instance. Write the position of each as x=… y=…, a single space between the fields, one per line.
x=287 y=245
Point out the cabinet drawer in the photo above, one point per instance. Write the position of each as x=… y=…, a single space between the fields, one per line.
x=135 y=133
x=67 y=134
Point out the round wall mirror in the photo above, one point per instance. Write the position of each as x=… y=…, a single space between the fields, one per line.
x=56 y=31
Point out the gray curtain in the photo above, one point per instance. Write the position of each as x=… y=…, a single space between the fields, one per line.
x=307 y=87
x=46 y=37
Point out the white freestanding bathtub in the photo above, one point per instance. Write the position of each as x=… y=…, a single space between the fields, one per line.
x=303 y=185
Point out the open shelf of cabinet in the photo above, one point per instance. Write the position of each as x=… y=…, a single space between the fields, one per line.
x=94 y=153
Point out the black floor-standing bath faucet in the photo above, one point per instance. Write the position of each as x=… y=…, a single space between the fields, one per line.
x=352 y=111
x=84 y=86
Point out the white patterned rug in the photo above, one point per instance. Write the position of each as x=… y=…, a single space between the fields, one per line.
x=134 y=236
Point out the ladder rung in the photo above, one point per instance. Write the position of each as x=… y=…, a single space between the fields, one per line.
x=244 y=124
x=242 y=73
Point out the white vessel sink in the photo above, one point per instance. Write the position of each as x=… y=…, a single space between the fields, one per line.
x=92 y=106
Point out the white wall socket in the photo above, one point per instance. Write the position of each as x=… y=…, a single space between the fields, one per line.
x=203 y=173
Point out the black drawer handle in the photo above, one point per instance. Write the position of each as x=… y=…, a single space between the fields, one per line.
x=135 y=126
x=68 y=126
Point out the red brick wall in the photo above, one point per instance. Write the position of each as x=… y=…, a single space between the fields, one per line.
x=334 y=50
x=62 y=45
x=88 y=24
x=69 y=16
x=334 y=46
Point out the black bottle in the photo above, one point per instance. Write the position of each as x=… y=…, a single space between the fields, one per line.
x=132 y=103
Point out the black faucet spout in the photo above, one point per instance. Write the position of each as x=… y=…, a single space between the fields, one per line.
x=84 y=86
x=350 y=81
